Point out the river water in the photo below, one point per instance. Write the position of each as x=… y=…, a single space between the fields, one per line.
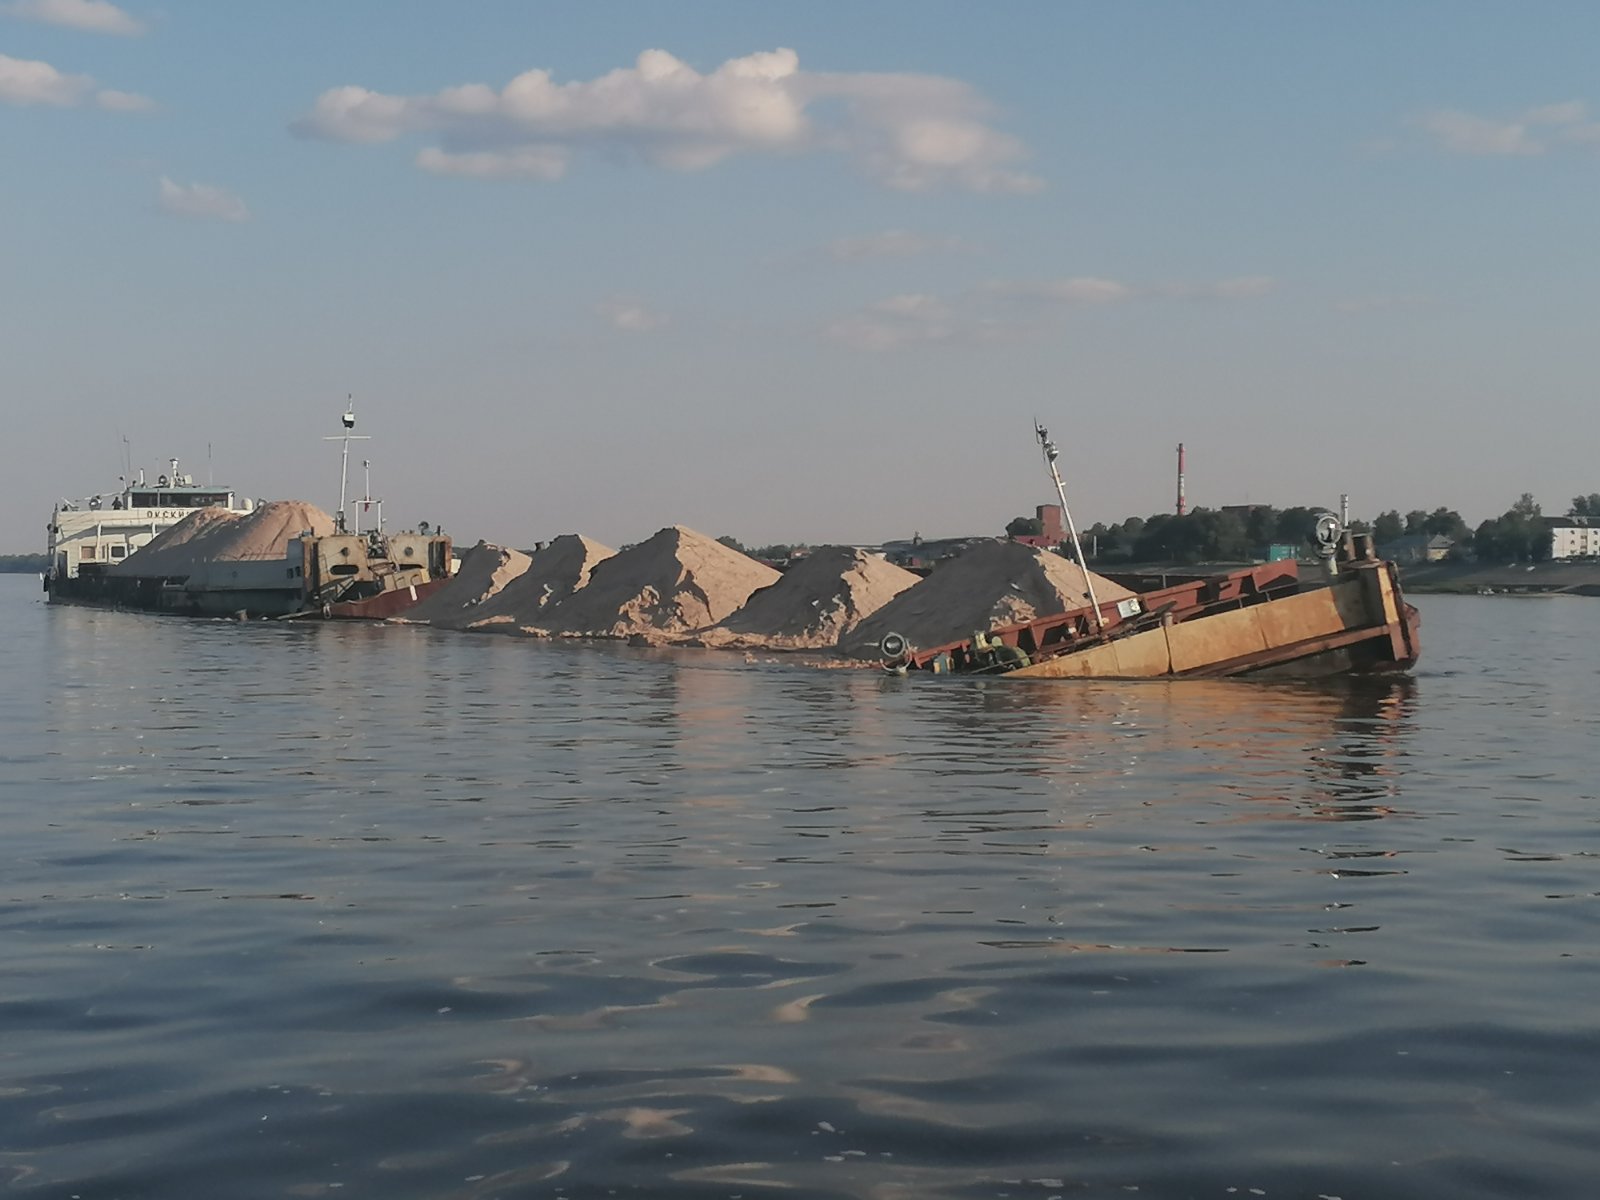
x=307 y=910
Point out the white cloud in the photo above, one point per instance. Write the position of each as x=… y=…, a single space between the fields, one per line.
x=912 y=132
x=1567 y=112
x=892 y=243
x=897 y=322
x=630 y=316
x=27 y=82
x=123 y=101
x=1075 y=291
x=545 y=163
x=1530 y=133
x=202 y=202
x=1463 y=133
x=1010 y=310
x=91 y=16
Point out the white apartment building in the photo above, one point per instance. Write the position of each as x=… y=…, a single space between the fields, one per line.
x=1571 y=539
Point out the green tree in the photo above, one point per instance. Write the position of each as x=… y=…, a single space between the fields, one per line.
x=1416 y=521
x=1388 y=527
x=1024 y=527
x=1585 y=506
x=1447 y=522
x=1296 y=525
x=733 y=543
x=1261 y=525
x=1520 y=534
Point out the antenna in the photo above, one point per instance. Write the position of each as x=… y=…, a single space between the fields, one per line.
x=1050 y=453
x=347 y=437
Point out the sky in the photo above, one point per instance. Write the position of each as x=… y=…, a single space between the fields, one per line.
x=800 y=273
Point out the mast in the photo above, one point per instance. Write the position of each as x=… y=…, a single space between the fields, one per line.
x=367 y=498
x=347 y=437
x=1050 y=452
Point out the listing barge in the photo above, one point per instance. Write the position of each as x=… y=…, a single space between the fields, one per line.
x=1345 y=616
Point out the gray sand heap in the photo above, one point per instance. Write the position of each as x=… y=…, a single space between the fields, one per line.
x=677 y=581
x=553 y=573
x=815 y=603
x=485 y=571
x=993 y=584
x=178 y=544
x=216 y=535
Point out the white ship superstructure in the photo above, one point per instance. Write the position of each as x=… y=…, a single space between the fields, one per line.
x=90 y=535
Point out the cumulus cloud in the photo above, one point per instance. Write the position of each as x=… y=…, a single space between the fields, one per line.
x=629 y=315
x=201 y=202
x=1010 y=310
x=91 y=16
x=28 y=82
x=913 y=132
x=892 y=243
x=1529 y=133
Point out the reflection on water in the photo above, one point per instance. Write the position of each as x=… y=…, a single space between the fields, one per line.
x=338 y=910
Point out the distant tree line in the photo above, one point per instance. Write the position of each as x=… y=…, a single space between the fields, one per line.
x=20 y=564
x=777 y=552
x=1201 y=535
x=1520 y=534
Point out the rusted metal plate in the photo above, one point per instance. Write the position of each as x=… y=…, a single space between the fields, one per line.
x=385 y=604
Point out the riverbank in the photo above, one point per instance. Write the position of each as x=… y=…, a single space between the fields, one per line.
x=1548 y=578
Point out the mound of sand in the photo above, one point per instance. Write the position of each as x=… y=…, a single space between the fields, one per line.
x=677 y=581
x=485 y=572
x=993 y=584
x=814 y=604
x=216 y=535
x=176 y=545
x=553 y=573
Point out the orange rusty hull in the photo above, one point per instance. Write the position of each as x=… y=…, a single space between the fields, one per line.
x=1258 y=621
x=1357 y=623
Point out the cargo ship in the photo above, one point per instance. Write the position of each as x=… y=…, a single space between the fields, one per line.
x=201 y=551
x=89 y=536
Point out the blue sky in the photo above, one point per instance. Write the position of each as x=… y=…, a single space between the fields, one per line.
x=801 y=272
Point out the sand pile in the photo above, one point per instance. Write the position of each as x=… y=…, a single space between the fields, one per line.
x=178 y=545
x=216 y=535
x=677 y=581
x=552 y=574
x=994 y=584
x=814 y=604
x=485 y=571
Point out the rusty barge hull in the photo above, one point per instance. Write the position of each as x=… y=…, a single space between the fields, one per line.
x=1260 y=621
